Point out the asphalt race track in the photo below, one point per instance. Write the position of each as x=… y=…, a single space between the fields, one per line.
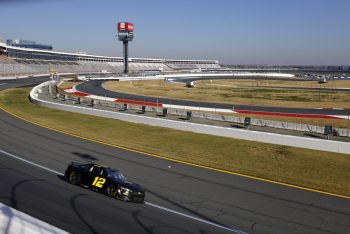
x=95 y=87
x=5 y=84
x=180 y=198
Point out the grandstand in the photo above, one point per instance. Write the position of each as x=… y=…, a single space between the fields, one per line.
x=16 y=61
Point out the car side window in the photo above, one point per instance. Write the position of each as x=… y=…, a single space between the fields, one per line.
x=98 y=171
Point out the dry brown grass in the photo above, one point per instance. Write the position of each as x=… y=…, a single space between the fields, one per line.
x=68 y=84
x=284 y=83
x=205 y=91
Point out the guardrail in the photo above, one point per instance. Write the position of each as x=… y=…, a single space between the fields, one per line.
x=273 y=138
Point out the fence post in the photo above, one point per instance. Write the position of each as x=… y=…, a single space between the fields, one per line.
x=348 y=125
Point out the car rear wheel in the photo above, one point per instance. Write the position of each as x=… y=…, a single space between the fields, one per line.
x=74 y=177
x=111 y=191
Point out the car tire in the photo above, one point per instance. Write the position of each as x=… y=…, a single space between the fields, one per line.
x=111 y=191
x=74 y=177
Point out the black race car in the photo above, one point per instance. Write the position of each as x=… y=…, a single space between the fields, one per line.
x=104 y=179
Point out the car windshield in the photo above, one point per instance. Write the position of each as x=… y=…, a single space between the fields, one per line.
x=115 y=174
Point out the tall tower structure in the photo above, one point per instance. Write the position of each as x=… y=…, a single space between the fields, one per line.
x=125 y=34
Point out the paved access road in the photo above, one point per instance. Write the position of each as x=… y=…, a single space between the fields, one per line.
x=217 y=200
x=27 y=82
x=95 y=87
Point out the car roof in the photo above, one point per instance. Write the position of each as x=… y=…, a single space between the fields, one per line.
x=102 y=167
x=109 y=169
x=98 y=165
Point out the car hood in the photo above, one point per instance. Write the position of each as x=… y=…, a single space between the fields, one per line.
x=76 y=164
x=132 y=186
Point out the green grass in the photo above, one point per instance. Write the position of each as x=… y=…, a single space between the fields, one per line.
x=310 y=168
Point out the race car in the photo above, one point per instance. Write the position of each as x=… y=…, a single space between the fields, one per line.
x=105 y=180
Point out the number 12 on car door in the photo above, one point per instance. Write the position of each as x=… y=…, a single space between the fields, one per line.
x=98 y=182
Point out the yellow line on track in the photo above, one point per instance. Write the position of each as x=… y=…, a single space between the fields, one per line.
x=180 y=161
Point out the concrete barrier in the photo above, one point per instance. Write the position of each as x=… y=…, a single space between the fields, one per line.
x=13 y=221
x=273 y=138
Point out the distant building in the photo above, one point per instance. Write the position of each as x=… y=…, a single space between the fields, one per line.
x=28 y=44
x=29 y=51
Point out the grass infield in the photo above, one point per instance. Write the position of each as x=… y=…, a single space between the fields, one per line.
x=309 y=168
x=246 y=92
x=231 y=91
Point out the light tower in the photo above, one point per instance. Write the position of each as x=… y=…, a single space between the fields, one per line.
x=125 y=34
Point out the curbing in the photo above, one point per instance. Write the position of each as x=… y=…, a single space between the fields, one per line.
x=272 y=138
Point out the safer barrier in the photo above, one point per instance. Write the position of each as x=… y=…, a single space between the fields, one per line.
x=303 y=142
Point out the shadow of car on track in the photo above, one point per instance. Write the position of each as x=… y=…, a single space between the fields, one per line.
x=86 y=157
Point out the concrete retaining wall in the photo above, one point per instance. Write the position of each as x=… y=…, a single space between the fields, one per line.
x=302 y=142
x=13 y=221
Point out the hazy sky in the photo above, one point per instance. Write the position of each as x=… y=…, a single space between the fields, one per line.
x=306 y=32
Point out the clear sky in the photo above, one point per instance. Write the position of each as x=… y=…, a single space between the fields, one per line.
x=270 y=32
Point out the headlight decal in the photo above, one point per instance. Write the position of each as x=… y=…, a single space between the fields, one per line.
x=125 y=191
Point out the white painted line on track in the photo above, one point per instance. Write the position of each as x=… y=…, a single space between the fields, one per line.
x=29 y=162
x=146 y=203
x=197 y=219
